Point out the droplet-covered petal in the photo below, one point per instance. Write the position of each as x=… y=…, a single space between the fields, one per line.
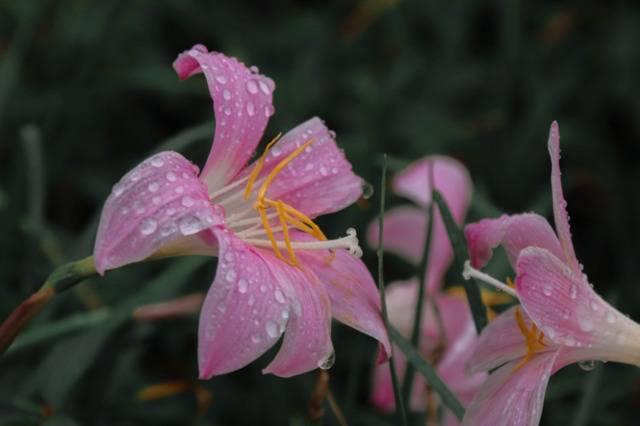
x=512 y=396
x=514 y=233
x=242 y=315
x=307 y=340
x=158 y=202
x=242 y=102
x=570 y=313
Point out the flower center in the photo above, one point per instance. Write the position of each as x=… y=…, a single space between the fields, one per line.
x=533 y=338
x=274 y=220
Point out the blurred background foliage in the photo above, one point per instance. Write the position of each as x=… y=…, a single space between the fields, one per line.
x=87 y=91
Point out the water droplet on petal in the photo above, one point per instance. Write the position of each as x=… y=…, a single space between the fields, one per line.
x=285 y=314
x=367 y=190
x=328 y=362
x=148 y=226
x=118 y=189
x=268 y=110
x=276 y=150
x=190 y=225
x=243 y=285
x=179 y=189
x=587 y=365
x=187 y=201
x=157 y=162
x=611 y=318
x=138 y=207
x=251 y=109
x=226 y=94
x=230 y=276
x=255 y=339
x=153 y=187
x=272 y=329
x=171 y=177
x=157 y=200
x=265 y=89
x=279 y=296
x=546 y=289
x=252 y=87
x=221 y=79
x=323 y=171
x=168 y=228
x=573 y=291
x=135 y=176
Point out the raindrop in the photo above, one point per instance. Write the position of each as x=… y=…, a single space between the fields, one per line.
x=573 y=291
x=546 y=289
x=587 y=365
x=251 y=109
x=179 y=189
x=272 y=329
x=135 y=176
x=323 y=171
x=228 y=257
x=157 y=162
x=255 y=339
x=138 y=207
x=148 y=226
x=328 y=362
x=157 y=200
x=586 y=324
x=265 y=89
x=226 y=94
x=168 y=228
x=276 y=150
x=171 y=177
x=279 y=296
x=190 y=225
x=187 y=201
x=118 y=189
x=221 y=79
x=285 y=314
x=367 y=190
x=252 y=87
x=153 y=187
x=268 y=110
x=230 y=276
x=243 y=285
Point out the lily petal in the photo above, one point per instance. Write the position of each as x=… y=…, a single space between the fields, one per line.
x=500 y=342
x=245 y=311
x=319 y=180
x=307 y=341
x=158 y=202
x=242 y=102
x=511 y=395
x=355 y=300
x=569 y=312
x=560 y=215
x=514 y=233
x=450 y=176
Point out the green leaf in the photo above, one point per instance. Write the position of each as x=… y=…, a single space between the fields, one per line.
x=448 y=398
x=458 y=242
x=400 y=409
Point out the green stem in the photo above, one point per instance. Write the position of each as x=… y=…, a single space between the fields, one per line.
x=63 y=278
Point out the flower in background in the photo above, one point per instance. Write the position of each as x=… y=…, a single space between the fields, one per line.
x=448 y=334
x=277 y=270
x=561 y=319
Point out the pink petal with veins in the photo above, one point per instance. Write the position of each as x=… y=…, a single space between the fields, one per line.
x=244 y=312
x=570 y=313
x=242 y=103
x=515 y=233
x=317 y=181
x=451 y=179
x=511 y=395
x=560 y=215
x=355 y=300
x=307 y=341
x=158 y=203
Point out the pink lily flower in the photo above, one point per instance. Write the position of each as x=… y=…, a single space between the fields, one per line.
x=561 y=319
x=404 y=233
x=277 y=270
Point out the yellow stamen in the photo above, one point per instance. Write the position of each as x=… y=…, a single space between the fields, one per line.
x=256 y=170
x=287 y=215
x=533 y=338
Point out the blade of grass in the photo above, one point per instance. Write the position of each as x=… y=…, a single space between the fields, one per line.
x=448 y=398
x=458 y=242
x=400 y=410
x=407 y=384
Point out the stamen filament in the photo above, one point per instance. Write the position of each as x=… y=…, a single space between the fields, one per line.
x=470 y=272
x=227 y=188
x=256 y=170
x=349 y=242
x=533 y=338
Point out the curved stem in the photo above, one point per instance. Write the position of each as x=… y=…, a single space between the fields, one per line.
x=61 y=279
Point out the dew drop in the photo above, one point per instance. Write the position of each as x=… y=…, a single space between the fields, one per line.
x=153 y=187
x=328 y=362
x=265 y=89
x=230 y=276
x=221 y=79
x=285 y=314
x=243 y=285
x=157 y=200
x=323 y=171
x=276 y=150
x=272 y=329
x=179 y=189
x=255 y=339
x=190 y=225
x=138 y=207
x=168 y=228
x=226 y=94
x=251 y=109
x=118 y=189
x=587 y=365
x=252 y=87
x=367 y=190
x=268 y=110
x=573 y=291
x=586 y=324
x=546 y=289
x=135 y=176
x=157 y=162
x=187 y=201
x=279 y=296
x=171 y=177
x=148 y=226
x=229 y=257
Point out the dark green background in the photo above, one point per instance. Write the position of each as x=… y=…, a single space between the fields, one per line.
x=87 y=91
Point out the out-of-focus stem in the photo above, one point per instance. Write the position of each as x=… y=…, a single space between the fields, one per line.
x=320 y=390
x=63 y=278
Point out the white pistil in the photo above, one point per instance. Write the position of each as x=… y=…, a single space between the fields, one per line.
x=470 y=272
x=227 y=188
x=349 y=242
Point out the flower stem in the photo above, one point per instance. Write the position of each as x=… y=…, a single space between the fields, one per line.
x=61 y=279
